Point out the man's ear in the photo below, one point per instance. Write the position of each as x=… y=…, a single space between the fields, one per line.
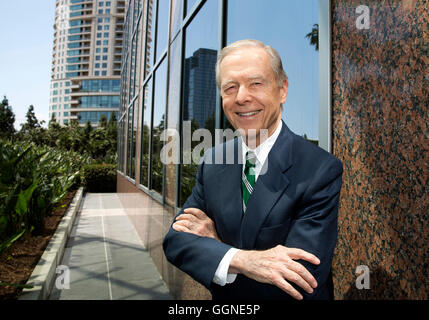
x=283 y=91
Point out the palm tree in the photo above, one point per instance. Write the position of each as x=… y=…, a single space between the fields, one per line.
x=314 y=36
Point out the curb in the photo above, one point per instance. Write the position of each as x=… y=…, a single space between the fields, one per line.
x=43 y=276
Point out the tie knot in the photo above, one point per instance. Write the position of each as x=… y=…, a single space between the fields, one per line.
x=250 y=159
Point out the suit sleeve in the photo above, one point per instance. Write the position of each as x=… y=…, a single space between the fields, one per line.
x=314 y=228
x=197 y=256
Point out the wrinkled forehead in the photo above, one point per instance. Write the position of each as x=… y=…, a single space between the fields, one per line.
x=250 y=61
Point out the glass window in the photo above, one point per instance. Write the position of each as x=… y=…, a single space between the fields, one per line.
x=286 y=31
x=159 y=107
x=173 y=116
x=150 y=36
x=131 y=143
x=189 y=5
x=146 y=129
x=162 y=27
x=176 y=17
x=75 y=30
x=199 y=85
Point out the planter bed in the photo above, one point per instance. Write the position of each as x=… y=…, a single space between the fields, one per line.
x=21 y=258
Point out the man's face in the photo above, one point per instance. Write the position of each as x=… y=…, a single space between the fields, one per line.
x=251 y=97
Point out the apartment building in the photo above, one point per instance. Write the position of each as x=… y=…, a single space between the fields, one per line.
x=86 y=60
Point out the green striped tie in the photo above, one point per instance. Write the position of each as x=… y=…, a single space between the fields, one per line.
x=248 y=178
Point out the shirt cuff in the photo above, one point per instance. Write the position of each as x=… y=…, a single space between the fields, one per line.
x=222 y=276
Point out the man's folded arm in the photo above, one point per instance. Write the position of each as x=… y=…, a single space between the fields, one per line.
x=314 y=228
x=195 y=255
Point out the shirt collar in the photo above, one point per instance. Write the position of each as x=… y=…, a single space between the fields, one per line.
x=264 y=148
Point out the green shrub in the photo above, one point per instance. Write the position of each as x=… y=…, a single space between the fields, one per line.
x=99 y=177
x=33 y=180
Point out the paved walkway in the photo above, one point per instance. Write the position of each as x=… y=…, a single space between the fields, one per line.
x=106 y=257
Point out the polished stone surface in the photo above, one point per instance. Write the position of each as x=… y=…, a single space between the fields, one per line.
x=380 y=133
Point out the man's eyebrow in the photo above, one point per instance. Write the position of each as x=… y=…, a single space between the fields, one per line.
x=256 y=77
x=227 y=82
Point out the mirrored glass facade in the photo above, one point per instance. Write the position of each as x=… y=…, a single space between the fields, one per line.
x=168 y=80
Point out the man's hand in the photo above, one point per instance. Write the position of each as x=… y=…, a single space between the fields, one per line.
x=275 y=266
x=197 y=222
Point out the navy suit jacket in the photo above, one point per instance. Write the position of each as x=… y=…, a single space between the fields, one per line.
x=295 y=204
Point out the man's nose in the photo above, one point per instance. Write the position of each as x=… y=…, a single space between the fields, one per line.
x=243 y=95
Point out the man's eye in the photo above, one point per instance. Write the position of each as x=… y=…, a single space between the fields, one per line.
x=229 y=89
x=255 y=84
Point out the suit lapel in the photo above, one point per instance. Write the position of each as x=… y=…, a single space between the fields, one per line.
x=228 y=188
x=268 y=188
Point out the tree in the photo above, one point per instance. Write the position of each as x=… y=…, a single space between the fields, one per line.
x=32 y=122
x=314 y=36
x=103 y=121
x=7 y=119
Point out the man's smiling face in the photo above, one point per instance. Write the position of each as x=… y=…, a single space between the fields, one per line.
x=251 y=96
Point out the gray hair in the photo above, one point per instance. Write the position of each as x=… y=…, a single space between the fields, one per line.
x=276 y=61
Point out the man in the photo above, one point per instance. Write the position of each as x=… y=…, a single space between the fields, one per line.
x=264 y=227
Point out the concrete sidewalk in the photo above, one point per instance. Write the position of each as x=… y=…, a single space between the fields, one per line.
x=106 y=258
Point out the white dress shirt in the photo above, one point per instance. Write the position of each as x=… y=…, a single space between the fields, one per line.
x=222 y=276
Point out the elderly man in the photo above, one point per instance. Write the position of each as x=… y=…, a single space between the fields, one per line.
x=265 y=226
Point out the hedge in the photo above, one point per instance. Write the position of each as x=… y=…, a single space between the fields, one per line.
x=99 y=177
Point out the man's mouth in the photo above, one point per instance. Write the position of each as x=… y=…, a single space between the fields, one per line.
x=248 y=114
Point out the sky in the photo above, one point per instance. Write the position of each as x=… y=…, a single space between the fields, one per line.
x=26 y=37
x=26 y=34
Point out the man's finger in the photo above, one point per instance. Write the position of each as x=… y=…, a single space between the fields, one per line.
x=286 y=287
x=296 y=278
x=180 y=228
x=185 y=216
x=302 y=272
x=296 y=254
x=196 y=212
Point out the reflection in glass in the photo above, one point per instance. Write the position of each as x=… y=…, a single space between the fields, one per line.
x=131 y=143
x=284 y=25
x=173 y=114
x=199 y=84
x=138 y=59
x=176 y=17
x=190 y=4
x=150 y=35
x=162 y=27
x=159 y=106
x=133 y=64
x=145 y=132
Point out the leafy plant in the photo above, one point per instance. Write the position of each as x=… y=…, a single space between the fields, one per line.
x=33 y=180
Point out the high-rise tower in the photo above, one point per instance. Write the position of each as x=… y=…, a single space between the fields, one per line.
x=86 y=62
